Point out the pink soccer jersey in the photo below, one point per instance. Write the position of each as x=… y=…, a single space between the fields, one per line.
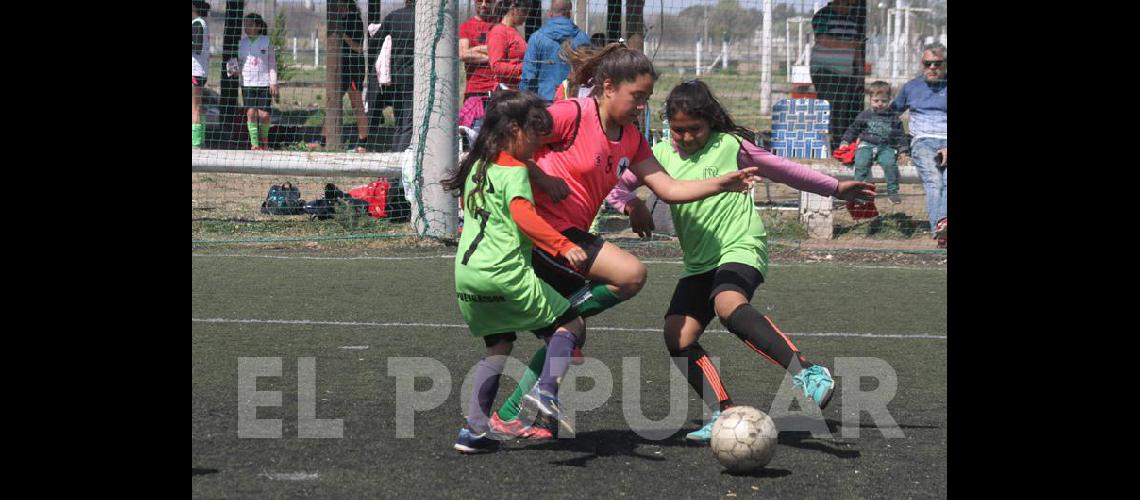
x=589 y=166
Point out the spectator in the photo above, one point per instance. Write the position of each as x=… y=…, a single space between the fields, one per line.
x=347 y=30
x=543 y=68
x=925 y=97
x=568 y=89
x=199 y=64
x=473 y=53
x=881 y=136
x=837 y=61
x=378 y=97
x=505 y=46
x=400 y=24
x=257 y=65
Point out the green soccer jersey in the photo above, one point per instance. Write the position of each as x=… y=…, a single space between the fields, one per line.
x=495 y=284
x=719 y=229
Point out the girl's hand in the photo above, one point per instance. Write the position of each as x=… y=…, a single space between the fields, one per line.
x=576 y=256
x=859 y=192
x=553 y=186
x=640 y=219
x=738 y=181
x=273 y=90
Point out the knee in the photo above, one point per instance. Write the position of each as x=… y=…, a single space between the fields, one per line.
x=673 y=342
x=576 y=326
x=628 y=288
x=725 y=311
x=632 y=282
x=501 y=349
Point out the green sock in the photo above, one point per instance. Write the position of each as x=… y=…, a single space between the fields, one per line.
x=510 y=408
x=263 y=133
x=252 y=126
x=197 y=134
x=601 y=299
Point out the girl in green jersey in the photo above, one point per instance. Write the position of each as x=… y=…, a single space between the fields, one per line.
x=495 y=284
x=725 y=245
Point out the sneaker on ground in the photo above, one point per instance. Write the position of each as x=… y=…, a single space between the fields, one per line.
x=512 y=429
x=816 y=383
x=704 y=434
x=469 y=442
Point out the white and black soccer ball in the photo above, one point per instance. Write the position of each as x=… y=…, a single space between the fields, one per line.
x=744 y=439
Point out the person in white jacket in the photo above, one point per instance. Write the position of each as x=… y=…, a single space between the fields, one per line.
x=258 y=68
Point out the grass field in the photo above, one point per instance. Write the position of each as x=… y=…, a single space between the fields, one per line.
x=353 y=315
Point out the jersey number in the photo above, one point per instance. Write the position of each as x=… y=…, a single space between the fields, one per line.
x=484 y=215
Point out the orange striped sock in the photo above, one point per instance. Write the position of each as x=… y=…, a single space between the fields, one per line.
x=761 y=335
x=702 y=373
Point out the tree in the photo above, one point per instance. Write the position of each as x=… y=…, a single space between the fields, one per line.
x=728 y=17
x=285 y=70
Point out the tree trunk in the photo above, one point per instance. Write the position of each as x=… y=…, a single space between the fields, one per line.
x=635 y=24
x=332 y=124
x=231 y=111
x=613 y=20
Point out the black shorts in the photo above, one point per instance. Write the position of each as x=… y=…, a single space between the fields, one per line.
x=557 y=272
x=566 y=317
x=694 y=294
x=198 y=81
x=256 y=98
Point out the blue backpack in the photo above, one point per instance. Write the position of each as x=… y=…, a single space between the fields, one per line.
x=284 y=199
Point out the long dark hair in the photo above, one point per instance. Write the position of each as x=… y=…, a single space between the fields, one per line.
x=257 y=20
x=614 y=62
x=201 y=7
x=694 y=98
x=508 y=111
x=504 y=6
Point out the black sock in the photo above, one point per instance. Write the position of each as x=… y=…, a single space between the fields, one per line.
x=761 y=335
x=700 y=371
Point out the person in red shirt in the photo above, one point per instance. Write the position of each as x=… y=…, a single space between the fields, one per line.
x=473 y=53
x=505 y=46
x=473 y=49
x=593 y=139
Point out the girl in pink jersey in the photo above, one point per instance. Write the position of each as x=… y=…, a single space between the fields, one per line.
x=593 y=139
x=725 y=246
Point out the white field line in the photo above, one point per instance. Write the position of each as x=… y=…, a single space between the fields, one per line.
x=591 y=327
x=426 y=257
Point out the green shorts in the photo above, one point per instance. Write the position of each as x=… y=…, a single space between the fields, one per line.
x=523 y=304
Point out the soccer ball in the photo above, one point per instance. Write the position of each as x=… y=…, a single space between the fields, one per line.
x=744 y=439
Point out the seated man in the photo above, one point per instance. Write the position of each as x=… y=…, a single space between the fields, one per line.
x=925 y=97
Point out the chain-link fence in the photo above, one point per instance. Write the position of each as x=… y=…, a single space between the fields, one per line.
x=314 y=93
